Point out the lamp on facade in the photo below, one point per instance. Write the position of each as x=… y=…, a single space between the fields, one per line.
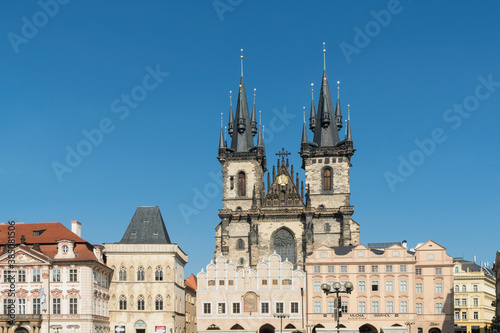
x=408 y=324
x=281 y=316
x=336 y=289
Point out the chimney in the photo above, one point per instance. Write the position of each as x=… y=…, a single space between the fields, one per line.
x=76 y=228
x=405 y=244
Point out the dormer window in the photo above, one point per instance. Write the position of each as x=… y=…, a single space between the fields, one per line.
x=38 y=232
x=65 y=249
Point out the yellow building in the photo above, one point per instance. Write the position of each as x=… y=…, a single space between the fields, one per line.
x=474 y=294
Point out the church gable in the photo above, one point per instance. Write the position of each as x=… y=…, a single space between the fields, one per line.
x=284 y=190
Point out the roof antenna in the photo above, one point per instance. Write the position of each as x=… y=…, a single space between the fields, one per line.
x=241 y=57
x=324 y=57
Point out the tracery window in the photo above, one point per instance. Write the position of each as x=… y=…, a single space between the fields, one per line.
x=159 y=274
x=123 y=302
x=159 y=302
x=327 y=179
x=284 y=245
x=241 y=184
x=140 y=274
x=241 y=244
x=122 y=275
x=140 y=302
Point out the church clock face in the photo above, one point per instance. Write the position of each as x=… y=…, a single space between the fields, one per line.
x=282 y=180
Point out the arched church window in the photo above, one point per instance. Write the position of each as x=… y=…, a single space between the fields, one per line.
x=159 y=302
x=122 y=275
x=241 y=184
x=327 y=179
x=140 y=274
x=140 y=302
x=123 y=302
x=241 y=244
x=242 y=261
x=284 y=245
x=159 y=274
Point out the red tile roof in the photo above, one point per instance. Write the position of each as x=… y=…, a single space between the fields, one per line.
x=191 y=281
x=52 y=232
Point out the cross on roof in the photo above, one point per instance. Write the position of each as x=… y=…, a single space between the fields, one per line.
x=283 y=153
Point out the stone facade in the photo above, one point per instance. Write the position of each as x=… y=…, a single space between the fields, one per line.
x=474 y=297
x=394 y=289
x=496 y=269
x=246 y=299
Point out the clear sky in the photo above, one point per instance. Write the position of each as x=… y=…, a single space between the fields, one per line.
x=147 y=82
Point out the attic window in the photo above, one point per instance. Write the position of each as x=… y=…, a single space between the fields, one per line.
x=38 y=232
x=155 y=233
x=146 y=221
x=134 y=233
x=65 y=249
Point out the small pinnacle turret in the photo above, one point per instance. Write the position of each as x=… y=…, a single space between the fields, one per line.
x=312 y=117
x=222 y=142
x=338 y=114
x=230 y=129
x=260 y=137
x=253 y=122
x=348 y=135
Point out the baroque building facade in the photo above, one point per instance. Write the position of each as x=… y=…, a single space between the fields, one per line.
x=288 y=216
x=147 y=288
x=61 y=281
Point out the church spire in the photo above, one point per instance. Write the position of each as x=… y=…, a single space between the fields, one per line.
x=222 y=143
x=312 y=117
x=304 y=129
x=253 y=123
x=231 y=117
x=260 y=138
x=325 y=134
x=348 y=135
x=338 y=114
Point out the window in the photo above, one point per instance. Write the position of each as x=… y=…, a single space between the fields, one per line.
x=264 y=282
x=317 y=269
x=286 y=282
x=123 y=303
x=402 y=268
x=56 y=306
x=73 y=306
x=403 y=285
x=36 y=306
x=474 y=287
x=207 y=308
x=241 y=184
x=264 y=307
x=418 y=271
x=361 y=268
x=317 y=307
x=122 y=275
x=284 y=245
x=159 y=274
x=343 y=269
x=317 y=285
x=464 y=301
x=344 y=306
x=140 y=274
x=242 y=261
x=159 y=303
x=457 y=302
x=403 y=307
x=361 y=285
x=65 y=249
x=36 y=275
x=361 y=307
x=476 y=315
x=73 y=275
x=439 y=288
x=327 y=179
x=236 y=307
x=475 y=301
x=457 y=315
x=6 y=304
x=420 y=308
x=140 y=302
x=464 y=288
x=388 y=268
x=438 y=271
x=279 y=307
x=7 y=275
x=211 y=282
x=21 y=302
x=331 y=307
x=21 y=275
x=221 y=308
x=457 y=289
x=374 y=269
x=331 y=269
x=294 y=307
x=327 y=227
x=374 y=285
x=221 y=282
x=457 y=269
x=240 y=244
x=374 y=306
x=275 y=282
x=439 y=308
x=464 y=315
x=419 y=288
x=388 y=286
x=389 y=306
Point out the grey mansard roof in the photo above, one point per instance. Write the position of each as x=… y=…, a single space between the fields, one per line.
x=146 y=227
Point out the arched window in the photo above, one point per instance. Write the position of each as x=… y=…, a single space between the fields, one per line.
x=241 y=244
x=457 y=288
x=159 y=302
x=284 y=245
x=327 y=179
x=140 y=274
x=140 y=302
x=123 y=302
x=159 y=274
x=122 y=275
x=242 y=261
x=241 y=184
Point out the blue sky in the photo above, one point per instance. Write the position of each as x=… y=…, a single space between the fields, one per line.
x=422 y=79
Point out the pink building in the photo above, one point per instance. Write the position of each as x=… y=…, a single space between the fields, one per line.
x=395 y=290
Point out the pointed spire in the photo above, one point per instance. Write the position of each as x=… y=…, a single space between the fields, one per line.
x=348 y=135
x=231 y=117
x=253 y=122
x=304 y=129
x=338 y=114
x=312 y=116
x=260 y=138
x=222 y=143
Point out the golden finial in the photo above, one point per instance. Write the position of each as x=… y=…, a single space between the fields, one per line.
x=225 y=133
x=230 y=98
x=312 y=90
x=254 y=90
x=241 y=57
x=324 y=56
x=260 y=118
x=221 y=120
x=304 y=113
x=338 y=89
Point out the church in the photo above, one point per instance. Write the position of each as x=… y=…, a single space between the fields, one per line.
x=285 y=215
